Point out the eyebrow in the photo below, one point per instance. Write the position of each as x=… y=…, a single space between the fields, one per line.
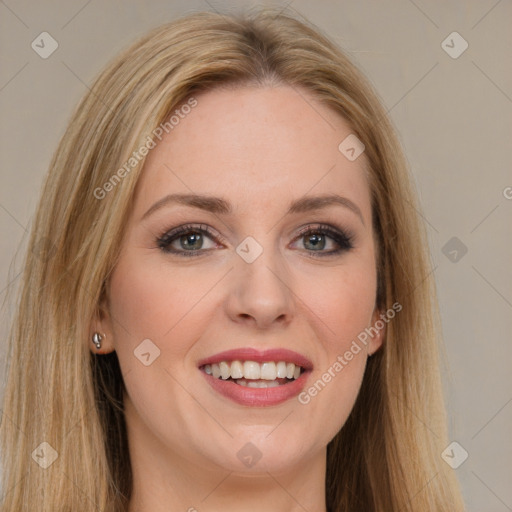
x=220 y=206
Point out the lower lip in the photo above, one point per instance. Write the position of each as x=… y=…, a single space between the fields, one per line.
x=244 y=395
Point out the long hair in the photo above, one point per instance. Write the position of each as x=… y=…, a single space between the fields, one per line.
x=387 y=457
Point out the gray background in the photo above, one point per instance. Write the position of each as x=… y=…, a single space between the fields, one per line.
x=454 y=120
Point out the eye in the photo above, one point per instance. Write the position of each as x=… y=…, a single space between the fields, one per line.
x=317 y=238
x=187 y=240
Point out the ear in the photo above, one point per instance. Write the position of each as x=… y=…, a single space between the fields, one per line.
x=102 y=325
x=378 y=329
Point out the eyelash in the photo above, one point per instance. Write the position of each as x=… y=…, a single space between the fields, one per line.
x=342 y=238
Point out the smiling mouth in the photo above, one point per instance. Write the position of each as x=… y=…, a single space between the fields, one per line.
x=254 y=375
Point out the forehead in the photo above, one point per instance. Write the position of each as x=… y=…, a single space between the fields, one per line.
x=256 y=147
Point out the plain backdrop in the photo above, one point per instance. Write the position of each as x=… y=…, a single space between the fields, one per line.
x=452 y=109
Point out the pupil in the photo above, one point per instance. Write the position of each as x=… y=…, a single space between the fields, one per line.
x=318 y=241
x=189 y=240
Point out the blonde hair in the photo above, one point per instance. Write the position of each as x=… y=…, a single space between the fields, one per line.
x=388 y=454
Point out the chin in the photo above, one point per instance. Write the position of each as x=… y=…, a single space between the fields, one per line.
x=254 y=450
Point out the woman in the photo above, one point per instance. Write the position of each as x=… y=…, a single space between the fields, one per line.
x=228 y=301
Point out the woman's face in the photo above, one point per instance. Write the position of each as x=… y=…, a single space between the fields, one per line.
x=261 y=268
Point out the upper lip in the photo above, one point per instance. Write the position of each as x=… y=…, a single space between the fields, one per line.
x=259 y=356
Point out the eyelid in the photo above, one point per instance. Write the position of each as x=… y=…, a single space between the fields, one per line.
x=321 y=226
x=185 y=228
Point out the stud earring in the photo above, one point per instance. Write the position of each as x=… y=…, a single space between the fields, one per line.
x=96 y=339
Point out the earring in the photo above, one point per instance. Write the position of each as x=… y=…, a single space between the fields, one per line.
x=96 y=339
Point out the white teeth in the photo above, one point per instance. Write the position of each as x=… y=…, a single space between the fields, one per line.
x=268 y=371
x=281 y=370
x=225 y=371
x=237 y=370
x=243 y=372
x=290 y=369
x=261 y=384
x=251 y=370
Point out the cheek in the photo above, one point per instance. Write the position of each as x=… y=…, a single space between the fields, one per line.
x=139 y=302
x=148 y=300
x=344 y=300
x=348 y=304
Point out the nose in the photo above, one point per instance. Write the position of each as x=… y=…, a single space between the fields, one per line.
x=261 y=293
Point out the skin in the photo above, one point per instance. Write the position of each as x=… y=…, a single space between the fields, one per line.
x=259 y=149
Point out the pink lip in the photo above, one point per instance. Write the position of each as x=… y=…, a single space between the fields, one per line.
x=251 y=354
x=258 y=396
